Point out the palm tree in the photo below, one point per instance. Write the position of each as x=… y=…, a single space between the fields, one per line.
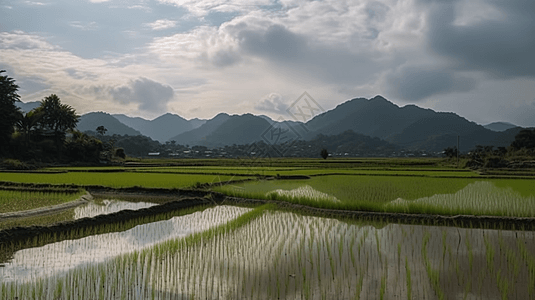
x=57 y=118
x=27 y=124
x=8 y=111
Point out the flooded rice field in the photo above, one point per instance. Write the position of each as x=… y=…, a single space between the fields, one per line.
x=54 y=259
x=278 y=255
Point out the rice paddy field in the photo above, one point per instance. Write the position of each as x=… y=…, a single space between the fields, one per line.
x=111 y=179
x=251 y=251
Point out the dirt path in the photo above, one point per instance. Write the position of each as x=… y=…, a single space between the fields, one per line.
x=47 y=209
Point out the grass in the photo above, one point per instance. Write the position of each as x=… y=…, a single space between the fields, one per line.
x=125 y=179
x=24 y=200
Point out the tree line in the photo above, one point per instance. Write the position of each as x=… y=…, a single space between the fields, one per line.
x=44 y=134
x=522 y=149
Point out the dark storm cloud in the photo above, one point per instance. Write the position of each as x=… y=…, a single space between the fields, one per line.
x=300 y=54
x=501 y=47
x=415 y=83
x=151 y=96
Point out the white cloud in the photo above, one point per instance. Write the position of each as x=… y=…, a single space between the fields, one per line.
x=150 y=95
x=84 y=25
x=161 y=24
x=272 y=103
x=201 y=8
x=21 y=40
x=35 y=3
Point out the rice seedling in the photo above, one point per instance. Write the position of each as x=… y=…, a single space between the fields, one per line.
x=451 y=196
x=18 y=200
x=266 y=254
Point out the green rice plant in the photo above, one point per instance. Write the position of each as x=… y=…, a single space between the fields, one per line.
x=401 y=194
x=267 y=256
x=503 y=285
x=116 y=180
x=20 y=200
x=7 y=249
x=408 y=279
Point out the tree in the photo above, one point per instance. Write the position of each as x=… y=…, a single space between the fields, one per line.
x=27 y=124
x=101 y=130
x=524 y=139
x=57 y=118
x=83 y=148
x=120 y=153
x=450 y=152
x=324 y=153
x=9 y=113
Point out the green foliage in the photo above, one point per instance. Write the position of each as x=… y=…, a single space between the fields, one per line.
x=9 y=113
x=324 y=153
x=450 y=152
x=83 y=148
x=57 y=118
x=14 y=164
x=524 y=139
x=101 y=130
x=119 y=152
x=27 y=125
x=133 y=145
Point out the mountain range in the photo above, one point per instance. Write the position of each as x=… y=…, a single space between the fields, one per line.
x=409 y=127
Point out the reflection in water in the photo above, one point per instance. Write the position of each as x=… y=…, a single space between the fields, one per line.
x=287 y=256
x=482 y=197
x=54 y=259
x=93 y=209
x=305 y=191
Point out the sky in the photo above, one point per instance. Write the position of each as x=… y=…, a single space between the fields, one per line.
x=199 y=58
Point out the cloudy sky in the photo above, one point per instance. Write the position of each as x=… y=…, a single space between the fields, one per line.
x=199 y=58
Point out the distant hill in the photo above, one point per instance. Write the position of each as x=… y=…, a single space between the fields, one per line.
x=197 y=135
x=196 y=122
x=162 y=128
x=411 y=127
x=376 y=117
x=239 y=130
x=90 y=122
x=499 y=126
x=345 y=143
x=27 y=106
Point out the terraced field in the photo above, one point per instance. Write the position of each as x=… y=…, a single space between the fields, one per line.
x=311 y=241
